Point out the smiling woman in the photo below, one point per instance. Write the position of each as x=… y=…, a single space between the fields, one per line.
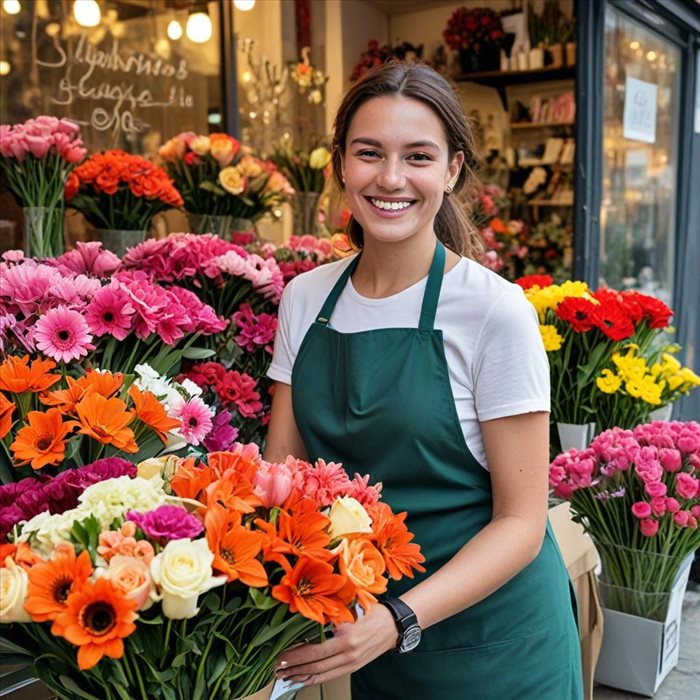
x=400 y=359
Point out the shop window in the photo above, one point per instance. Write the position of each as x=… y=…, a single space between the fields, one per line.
x=641 y=126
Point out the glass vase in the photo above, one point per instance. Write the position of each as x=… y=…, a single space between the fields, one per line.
x=637 y=582
x=305 y=213
x=118 y=241
x=218 y=224
x=43 y=231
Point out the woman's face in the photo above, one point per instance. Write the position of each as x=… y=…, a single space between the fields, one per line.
x=396 y=168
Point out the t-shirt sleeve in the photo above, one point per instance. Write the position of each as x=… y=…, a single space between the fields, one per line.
x=511 y=373
x=280 y=369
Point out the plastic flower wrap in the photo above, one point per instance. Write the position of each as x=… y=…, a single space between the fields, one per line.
x=637 y=493
x=56 y=422
x=71 y=316
x=116 y=190
x=606 y=353
x=178 y=575
x=217 y=175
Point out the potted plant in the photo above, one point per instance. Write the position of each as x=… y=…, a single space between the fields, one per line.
x=637 y=493
x=477 y=35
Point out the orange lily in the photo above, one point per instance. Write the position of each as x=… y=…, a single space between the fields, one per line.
x=191 y=481
x=18 y=376
x=41 y=442
x=151 y=412
x=105 y=420
x=6 y=410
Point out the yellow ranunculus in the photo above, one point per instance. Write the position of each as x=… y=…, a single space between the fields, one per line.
x=232 y=180
x=550 y=337
x=319 y=158
x=608 y=382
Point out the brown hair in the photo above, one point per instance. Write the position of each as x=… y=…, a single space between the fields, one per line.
x=418 y=81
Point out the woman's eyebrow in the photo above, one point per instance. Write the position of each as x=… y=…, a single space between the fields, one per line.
x=414 y=144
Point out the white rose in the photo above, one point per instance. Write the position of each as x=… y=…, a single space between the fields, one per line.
x=13 y=592
x=182 y=571
x=347 y=515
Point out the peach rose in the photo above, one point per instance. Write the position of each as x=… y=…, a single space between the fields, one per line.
x=223 y=148
x=172 y=149
x=363 y=565
x=232 y=180
x=249 y=166
x=279 y=183
x=201 y=145
x=133 y=578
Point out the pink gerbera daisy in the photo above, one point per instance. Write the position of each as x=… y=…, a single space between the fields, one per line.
x=110 y=311
x=196 y=420
x=62 y=334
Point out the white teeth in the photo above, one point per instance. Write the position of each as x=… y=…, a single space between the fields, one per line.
x=390 y=206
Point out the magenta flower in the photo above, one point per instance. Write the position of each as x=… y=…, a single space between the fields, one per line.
x=255 y=331
x=641 y=510
x=89 y=259
x=222 y=434
x=196 y=420
x=63 y=335
x=687 y=486
x=167 y=523
x=110 y=312
x=649 y=527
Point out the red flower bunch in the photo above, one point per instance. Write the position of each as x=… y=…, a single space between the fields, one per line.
x=116 y=190
x=473 y=29
x=376 y=55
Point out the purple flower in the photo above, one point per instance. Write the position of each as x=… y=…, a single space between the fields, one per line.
x=9 y=517
x=9 y=493
x=167 y=523
x=222 y=434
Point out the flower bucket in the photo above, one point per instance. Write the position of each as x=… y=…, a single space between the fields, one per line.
x=663 y=413
x=305 y=213
x=218 y=224
x=118 y=241
x=638 y=653
x=575 y=435
x=43 y=231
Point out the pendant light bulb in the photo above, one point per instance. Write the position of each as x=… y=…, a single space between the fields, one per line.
x=244 y=5
x=12 y=7
x=87 y=13
x=174 y=30
x=5 y=67
x=198 y=28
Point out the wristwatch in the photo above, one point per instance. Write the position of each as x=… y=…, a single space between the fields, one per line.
x=406 y=623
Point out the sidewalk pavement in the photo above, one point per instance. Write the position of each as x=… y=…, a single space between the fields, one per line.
x=683 y=682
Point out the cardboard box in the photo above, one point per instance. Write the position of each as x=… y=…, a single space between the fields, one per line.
x=637 y=653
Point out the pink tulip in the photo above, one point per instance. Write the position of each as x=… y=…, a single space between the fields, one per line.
x=273 y=483
x=38 y=145
x=68 y=127
x=672 y=505
x=695 y=511
x=658 y=506
x=649 y=527
x=681 y=518
x=687 y=486
x=655 y=488
x=641 y=509
x=670 y=459
x=18 y=148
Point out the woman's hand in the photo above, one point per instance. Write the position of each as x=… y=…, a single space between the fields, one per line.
x=351 y=647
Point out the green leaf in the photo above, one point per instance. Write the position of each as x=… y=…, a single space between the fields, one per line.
x=70 y=684
x=8 y=647
x=179 y=660
x=260 y=600
x=197 y=353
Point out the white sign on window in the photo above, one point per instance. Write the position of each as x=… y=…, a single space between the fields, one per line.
x=639 y=120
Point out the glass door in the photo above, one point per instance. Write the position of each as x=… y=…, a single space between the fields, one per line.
x=640 y=157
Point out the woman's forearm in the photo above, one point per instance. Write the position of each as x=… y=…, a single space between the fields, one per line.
x=491 y=558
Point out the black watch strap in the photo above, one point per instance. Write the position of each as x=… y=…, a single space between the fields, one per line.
x=404 y=618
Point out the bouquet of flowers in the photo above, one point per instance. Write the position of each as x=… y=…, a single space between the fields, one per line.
x=62 y=312
x=473 y=29
x=300 y=254
x=61 y=421
x=36 y=158
x=306 y=170
x=188 y=580
x=637 y=493
x=309 y=80
x=116 y=190
x=586 y=333
x=376 y=55
x=217 y=176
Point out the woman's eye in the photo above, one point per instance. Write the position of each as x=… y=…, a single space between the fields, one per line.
x=368 y=154
x=419 y=157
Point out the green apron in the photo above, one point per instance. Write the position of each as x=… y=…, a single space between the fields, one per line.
x=380 y=401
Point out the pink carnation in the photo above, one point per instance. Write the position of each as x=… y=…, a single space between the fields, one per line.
x=167 y=523
x=325 y=481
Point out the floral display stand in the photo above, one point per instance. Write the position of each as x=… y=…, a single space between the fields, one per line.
x=637 y=654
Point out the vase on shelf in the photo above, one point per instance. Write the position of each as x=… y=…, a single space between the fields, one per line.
x=556 y=55
x=536 y=58
x=118 y=240
x=468 y=61
x=570 y=53
x=575 y=435
x=305 y=213
x=43 y=231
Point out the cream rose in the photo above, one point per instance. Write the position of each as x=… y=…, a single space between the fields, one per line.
x=201 y=145
x=232 y=180
x=249 y=166
x=182 y=571
x=348 y=516
x=319 y=158
x=13 y=592
x=132 y=576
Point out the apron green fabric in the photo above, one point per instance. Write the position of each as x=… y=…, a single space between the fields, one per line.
x=380 y=401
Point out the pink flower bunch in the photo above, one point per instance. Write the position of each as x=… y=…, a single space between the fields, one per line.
x=255 y=331
x=652 y=471
x=88 y=259
x=41 y=137
x=299 y=254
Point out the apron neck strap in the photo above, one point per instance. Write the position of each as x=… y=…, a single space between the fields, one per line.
x=430 y=297
x=432 y=289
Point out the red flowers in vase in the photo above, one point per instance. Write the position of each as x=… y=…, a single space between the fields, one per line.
x=477 y=34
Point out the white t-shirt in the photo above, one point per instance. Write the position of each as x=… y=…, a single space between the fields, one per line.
x=495 y=357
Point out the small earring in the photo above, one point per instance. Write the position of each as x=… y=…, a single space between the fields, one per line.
x=448 y=189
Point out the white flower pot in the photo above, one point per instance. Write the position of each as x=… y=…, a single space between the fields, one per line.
x=575 y=435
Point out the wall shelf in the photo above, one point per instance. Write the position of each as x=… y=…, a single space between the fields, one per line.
x=548 y=203
x=539 y=125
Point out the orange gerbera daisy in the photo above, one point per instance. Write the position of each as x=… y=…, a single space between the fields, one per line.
x=6 y=410
x=106 y=420
x=394 y=542
x=235 y=547
x=302 y=533
x=41 y=442
x=96 y=618
x=104 y=383
x=51 y=582
x=18 y=376
x=191 y=481
x=311 y=589
x=151 y=412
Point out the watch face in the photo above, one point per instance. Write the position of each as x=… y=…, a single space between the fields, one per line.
x=411 y=638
